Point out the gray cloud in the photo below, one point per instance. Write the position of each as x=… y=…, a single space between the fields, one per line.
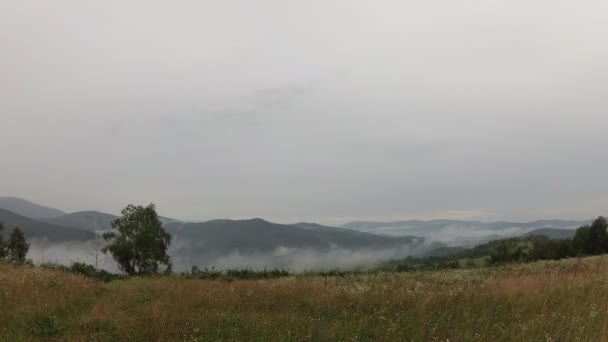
x=307 y=111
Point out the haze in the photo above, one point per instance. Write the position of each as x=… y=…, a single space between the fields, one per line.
x=318 y=111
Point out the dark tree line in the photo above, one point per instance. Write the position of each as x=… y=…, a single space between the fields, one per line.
x=588 y=240
x=15 y=248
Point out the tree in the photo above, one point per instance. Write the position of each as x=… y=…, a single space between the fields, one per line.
x=580 y=242
x=598 y=236
x=140 y=243
x=501 y=253
x=96 y=249
x=591 y=239
x=16 y=246
x=2 y=244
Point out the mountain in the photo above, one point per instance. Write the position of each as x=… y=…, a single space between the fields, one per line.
x=438 y=224
x=552 y=233
x=87 y=220
x=28 y=209
x=167 y=220
x=258 y=243
x=93 y=220
x=459 y=233
x=41 y=230
x=351 y=238
x=257 y=235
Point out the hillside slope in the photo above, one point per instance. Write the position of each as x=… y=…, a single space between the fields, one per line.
x=552 y=233
x=41 y=230
x=257 y=235
x=261 y=235
x=455 y=233
x=86 y=220
x=28 y=209
x=555 y=301
x=257 y=244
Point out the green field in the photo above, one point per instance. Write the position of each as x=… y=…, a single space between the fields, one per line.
x=546 y=301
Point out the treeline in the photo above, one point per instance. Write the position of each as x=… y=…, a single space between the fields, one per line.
x=258 y=274
x=231 y=274
x=15 y=248
x=588 y=240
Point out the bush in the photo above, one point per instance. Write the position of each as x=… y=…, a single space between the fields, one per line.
x=45 y=326
x=91 y=272
x=231 y=274
x=83 y=269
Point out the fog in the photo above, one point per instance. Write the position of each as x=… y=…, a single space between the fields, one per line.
x=458 y=234
x=453 y=234
x=328 y=111
x=305 y=259
x=185 y=253
x=294 y=259
x=66 y=253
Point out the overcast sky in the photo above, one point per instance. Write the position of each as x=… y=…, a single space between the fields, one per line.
x=326 y=111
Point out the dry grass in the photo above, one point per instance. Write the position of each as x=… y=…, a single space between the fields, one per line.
x=548 y=301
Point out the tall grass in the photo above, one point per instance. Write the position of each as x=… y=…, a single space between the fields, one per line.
x=546 y=301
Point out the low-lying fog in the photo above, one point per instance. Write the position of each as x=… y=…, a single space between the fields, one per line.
x=455 y=235
x=294 y=259
x=303 y=259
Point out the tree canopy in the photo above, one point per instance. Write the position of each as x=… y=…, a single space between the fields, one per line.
x=588 y=240
x=2 y=244
x=16 y=246
x=139 y=243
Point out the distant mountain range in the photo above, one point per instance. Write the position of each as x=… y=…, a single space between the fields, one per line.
x=41 y=230
x=400 y=226
x=29 y=209
x=195 y=242
x=87 y=220
x=552 y=233
x=93 y=220
x=462 y=233
x=257 y=235
x=198 y=242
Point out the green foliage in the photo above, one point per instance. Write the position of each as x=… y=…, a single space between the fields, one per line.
x=16 y=246
x=232 y=274
x=101 y=330
x=86 y=270
x=550 y=249
x=45 y=326
x=598 y=236
x=253 y=274
x=2 y=243
x=580 y=242
x=245 y=273
x=588 y=240
x=140 y=243
x=592 y=240
x=91 y=272
x=205 y=273
x=502 y=253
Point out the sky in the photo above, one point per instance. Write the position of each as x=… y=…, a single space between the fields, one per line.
x=325 y=111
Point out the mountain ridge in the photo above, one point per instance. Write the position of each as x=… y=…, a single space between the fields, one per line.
x=28 y=209
x=41 y=230
x=546 y=222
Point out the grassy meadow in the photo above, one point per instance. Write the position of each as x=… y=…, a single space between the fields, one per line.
x=545 y=301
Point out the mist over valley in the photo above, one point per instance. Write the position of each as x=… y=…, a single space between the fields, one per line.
x=259 y=244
